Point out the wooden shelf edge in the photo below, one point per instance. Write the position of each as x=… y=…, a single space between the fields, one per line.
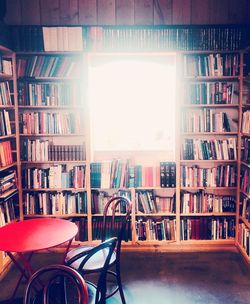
x=243 y=253
x=245 y=222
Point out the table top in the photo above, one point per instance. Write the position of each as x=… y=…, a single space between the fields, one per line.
x=36 y=234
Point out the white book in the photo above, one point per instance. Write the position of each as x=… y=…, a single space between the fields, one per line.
x=46 y=39
x=7 y=122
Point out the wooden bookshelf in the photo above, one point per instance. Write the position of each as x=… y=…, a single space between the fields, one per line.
x=10 y=179
x=53 y=93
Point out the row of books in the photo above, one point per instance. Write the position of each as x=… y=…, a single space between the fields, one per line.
x=45 y=150
x=5 y=97
x=48 y=94
x=167 y=174
x=5 y=128
x=212 y=93
x=99 y=200
x=151 y=229
x=120 y=174
x=60 y=203
x=8 y=211
x=220 y=176
x=206 y=120
x=98 y=38
x=97 y=224
x=5 y=66
x=245 y=180
x=62 y=38
x=164 y=38
x=147 y=202
x=203 y=203
x=50 y=123
x=48 y=66
x=244 y=238
x=245 y=208
x=207 y=228
x=27 y=38
x=82 y=233
x=245 y=150
x=55 y=177
x=8 y=181
x=212 y=149
x=5 y=154
x=213 y=65
x=246 y=122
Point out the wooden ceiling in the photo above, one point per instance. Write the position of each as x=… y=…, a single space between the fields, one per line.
x=127 y=12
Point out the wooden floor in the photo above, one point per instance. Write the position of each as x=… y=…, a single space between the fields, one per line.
x=159 y=278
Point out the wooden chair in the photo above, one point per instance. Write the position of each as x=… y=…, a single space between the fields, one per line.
x=116 y=205
x=57 y=284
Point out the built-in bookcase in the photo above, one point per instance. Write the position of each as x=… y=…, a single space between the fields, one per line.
x=10 y=178
x=243 y=229
x=200 y=197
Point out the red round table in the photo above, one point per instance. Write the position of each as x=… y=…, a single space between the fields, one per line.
x=33 y=235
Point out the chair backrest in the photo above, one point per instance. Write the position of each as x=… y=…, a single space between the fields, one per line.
x=116 y=206
x=57 y=284
x=87 y=257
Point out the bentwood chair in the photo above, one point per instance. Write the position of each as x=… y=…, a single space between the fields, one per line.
x=57 y=284
x=116 y=208
x=89 y=261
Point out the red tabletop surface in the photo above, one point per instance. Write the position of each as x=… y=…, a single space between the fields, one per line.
x=36 y=234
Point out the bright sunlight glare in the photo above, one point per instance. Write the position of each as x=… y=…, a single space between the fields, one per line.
x=132 y=104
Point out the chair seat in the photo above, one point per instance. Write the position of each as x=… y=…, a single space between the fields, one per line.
x=95 y=263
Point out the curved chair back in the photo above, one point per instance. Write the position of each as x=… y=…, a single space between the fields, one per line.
x=87 y=260
x=56 y=284
x=117 y=206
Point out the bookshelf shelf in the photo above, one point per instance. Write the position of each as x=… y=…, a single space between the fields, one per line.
x=210 y=106
x=56 y=215
x=5 y=77
x=245 y=135
x=49 y=79
x=8 y=193
x=8 y=167
x=7 y=137
x=209 y=188
x=209 y=242
x=7 y=107
x=245 y=164
x=246 y=194
x=51 y=135
x=245 y=221
x=159 y=214
x=210 y=214
x=208 y=133
x=217 y=161
x=56 y=107
x=53 y=162
x=55 y=189
x=211 y=78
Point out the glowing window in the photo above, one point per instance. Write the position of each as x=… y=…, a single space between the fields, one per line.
x=132 y=102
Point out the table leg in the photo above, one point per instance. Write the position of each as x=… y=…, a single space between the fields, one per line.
x=67 y=250
x=25 y=270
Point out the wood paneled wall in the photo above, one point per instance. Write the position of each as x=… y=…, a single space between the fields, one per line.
x=127 y=12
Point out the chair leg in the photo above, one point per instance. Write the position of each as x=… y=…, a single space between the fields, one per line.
x=119 y=283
